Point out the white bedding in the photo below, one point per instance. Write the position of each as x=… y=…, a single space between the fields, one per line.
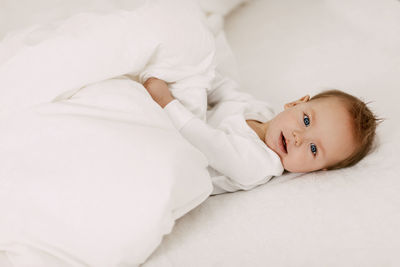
x=285 y=49
x=350 y=217
x=93 y=172
x=95 y=180
x=45 y=60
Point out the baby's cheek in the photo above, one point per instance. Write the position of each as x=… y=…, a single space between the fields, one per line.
x=295 y=161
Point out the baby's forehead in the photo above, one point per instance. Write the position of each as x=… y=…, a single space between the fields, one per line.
x=332 y=105
x=331 y=101
x=330 y=109
x=334 y=126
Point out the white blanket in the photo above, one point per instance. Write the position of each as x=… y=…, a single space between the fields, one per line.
x=98 y=176
x=97 y=179
x=165 y=39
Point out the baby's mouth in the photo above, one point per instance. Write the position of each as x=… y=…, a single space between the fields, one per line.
x=284 y=142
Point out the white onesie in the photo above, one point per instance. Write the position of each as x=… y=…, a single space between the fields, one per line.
x=238 y=158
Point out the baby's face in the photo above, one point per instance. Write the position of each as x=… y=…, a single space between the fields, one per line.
x=317 y=134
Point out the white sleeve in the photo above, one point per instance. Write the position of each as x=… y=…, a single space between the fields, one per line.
x=192 y=93
x=243 y=163
x=191 y=90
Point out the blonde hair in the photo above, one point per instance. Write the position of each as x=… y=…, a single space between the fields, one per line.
x=364 y=126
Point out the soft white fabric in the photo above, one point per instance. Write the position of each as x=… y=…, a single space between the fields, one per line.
x=94 y=180
x=220 y=7
x=165 y=39
x=238 y=158
x=98 y=176
x=349 y=217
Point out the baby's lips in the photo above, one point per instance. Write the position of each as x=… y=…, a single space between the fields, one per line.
x=287 y=145
x=280 y=144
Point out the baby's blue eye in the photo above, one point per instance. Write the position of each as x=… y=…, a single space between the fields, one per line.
x=313 y=149
x=306 y=120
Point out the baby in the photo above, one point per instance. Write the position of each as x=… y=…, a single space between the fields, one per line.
x=246 y=146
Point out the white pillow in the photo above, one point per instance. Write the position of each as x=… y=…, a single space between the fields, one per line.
x=94 y=180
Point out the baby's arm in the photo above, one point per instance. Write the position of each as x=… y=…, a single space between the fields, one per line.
x=243 y=163
x=242 y=160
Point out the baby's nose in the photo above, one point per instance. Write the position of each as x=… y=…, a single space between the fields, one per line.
x=298 y=138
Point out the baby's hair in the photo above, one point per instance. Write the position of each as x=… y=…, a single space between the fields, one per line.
x=364 y=125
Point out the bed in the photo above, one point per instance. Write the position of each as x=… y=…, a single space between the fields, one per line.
x=283 y=50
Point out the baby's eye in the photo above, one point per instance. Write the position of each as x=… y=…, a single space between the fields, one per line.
x=306 y=120
x=313 y=149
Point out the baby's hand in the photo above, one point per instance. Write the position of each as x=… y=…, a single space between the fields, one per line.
x=159 y=91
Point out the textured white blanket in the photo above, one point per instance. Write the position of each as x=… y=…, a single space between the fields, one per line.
x=99 y=175
x=165 y=39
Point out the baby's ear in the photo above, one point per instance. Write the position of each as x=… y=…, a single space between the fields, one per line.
x=304 y=99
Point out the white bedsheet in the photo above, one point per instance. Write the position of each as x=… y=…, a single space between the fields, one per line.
x=349 y=217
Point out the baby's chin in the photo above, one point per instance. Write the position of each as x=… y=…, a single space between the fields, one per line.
x=287 y=169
